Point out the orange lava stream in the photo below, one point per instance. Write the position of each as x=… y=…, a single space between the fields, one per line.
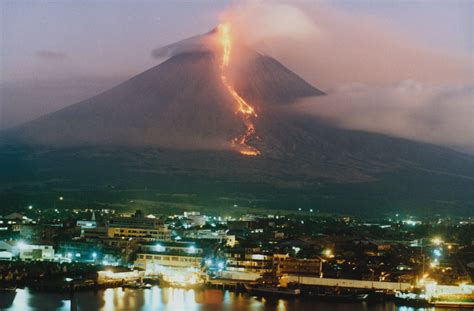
x=247 y=111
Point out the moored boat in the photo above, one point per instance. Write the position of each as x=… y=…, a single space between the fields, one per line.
x=346 y=297
x=272 y=290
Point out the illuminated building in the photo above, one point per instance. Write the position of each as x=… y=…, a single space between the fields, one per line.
x=153 y=256
x=138 y=226
x=249 y=260
x=36 y=252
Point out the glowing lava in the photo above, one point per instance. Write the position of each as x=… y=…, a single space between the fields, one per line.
x=247 y=111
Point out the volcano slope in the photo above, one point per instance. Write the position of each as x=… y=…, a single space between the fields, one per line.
x=163 y=136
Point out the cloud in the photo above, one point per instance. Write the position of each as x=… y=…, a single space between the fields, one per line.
x=50 y=55
x=193 y=44
x=409 y=109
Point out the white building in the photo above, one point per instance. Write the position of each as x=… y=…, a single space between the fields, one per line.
x=36 y=252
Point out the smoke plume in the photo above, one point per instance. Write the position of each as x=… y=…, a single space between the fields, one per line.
x=377 y=79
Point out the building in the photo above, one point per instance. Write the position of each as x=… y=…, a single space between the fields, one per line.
x=87 y=224
x=11 y=224
x=155 y=256
x=138 y=226
x=208 y=234
x=288 y=265
x=36 y=252
x=195 y=219
x=8 y=250
x=248 y=260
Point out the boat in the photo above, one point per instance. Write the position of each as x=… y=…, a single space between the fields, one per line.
x=412 y=299
x=340 y=297
x=137 y=285
x=272 y=290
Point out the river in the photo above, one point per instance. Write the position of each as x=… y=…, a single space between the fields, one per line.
x=172 y=299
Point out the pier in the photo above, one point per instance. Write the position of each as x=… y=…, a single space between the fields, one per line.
x=345 y=283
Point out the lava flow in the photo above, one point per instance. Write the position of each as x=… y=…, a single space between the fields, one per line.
x=247 y=111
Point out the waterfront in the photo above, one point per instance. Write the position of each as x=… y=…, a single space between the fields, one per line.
x=156 y=298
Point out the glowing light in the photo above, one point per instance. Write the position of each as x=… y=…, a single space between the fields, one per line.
x=160 y=248
x=21 y=245
x=328 y=253
x=246 y=110
x=437 y=241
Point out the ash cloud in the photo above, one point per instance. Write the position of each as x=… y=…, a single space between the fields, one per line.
x=50 y=55
x=409 y=109
x=377 y=79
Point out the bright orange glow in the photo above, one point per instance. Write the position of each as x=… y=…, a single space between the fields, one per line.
x=243 y=108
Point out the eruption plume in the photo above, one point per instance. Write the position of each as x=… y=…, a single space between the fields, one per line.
x=246 y=110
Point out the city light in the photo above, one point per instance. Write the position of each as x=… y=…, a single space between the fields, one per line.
x=21 y=245
x=437 y=241
x=328 y=253
x=160 y=248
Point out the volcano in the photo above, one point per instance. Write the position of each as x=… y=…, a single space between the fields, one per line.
x=170 y=129
x=180 y=103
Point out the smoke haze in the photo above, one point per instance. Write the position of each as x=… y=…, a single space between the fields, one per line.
x=376 y=79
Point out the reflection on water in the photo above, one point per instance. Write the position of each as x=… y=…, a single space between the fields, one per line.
x=170 y=299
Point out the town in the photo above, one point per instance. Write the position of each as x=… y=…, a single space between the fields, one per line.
x=411 y=260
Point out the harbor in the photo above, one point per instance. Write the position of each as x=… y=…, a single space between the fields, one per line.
x=172 y=299
x=332 y=291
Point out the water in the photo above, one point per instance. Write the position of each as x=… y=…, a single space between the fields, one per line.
x=172 y=299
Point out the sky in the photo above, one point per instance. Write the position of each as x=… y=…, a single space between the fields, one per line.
x=410 y=55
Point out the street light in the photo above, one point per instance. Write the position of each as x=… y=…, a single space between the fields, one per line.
x=21 y=245
x=328 y=253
